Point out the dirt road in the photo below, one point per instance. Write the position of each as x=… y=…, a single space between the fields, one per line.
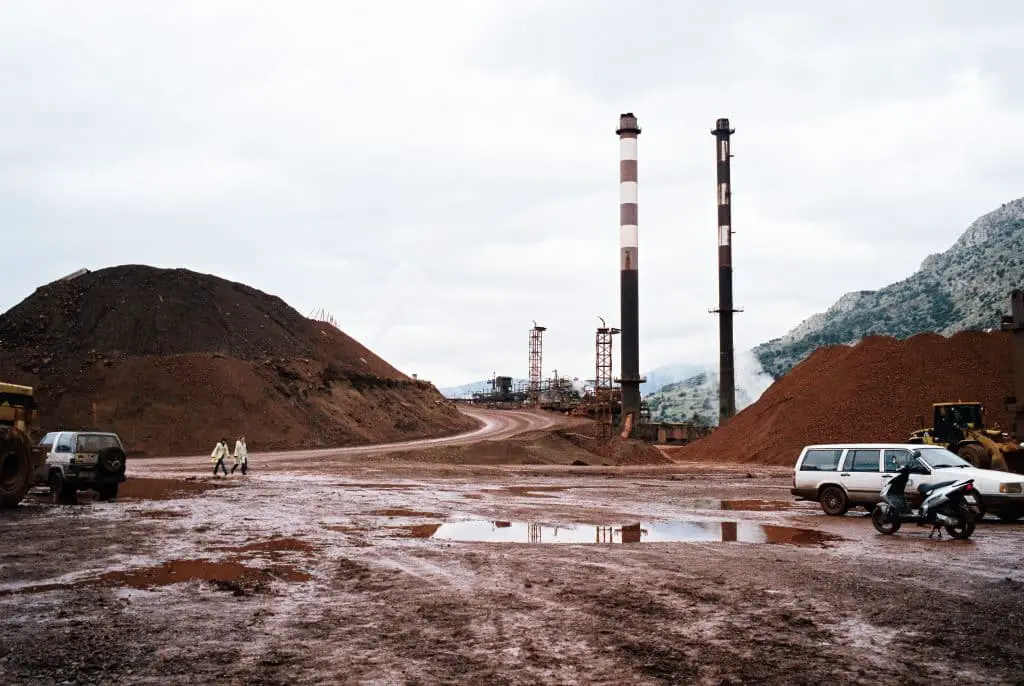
x=322 y=569
x=494 y=425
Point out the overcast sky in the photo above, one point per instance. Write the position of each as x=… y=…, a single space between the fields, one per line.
x=439 y=174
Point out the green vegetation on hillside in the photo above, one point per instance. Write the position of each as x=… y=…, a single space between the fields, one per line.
x=967 y=287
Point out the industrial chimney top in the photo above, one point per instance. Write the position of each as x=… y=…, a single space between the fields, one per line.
x=722 y=127
x=627 y=124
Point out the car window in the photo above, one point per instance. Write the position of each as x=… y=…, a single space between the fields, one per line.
x=863 y=461
x=64 y=443
x=93 y=443
x=895 y=460
x=821 y=461
x=938 y=458
x=47 y=441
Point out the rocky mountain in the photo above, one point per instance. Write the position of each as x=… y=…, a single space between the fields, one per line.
x=468 y=389
x=964 y=288
x=656 y=378
x=696 y=398
x=668 y=374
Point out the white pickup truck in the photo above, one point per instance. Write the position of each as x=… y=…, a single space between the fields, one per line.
x=79 y=461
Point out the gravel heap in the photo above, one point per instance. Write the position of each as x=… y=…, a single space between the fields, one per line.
x=174 y=359
x=879 y=390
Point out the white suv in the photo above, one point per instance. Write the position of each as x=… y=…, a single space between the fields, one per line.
x=82 y=460
x=841 y=476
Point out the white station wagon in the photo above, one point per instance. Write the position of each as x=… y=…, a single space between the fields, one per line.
x=841 y=476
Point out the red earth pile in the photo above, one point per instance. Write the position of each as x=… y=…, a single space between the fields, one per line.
x=876 y=391
x=173 y=360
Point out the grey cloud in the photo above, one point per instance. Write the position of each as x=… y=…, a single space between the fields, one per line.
x=438 y=189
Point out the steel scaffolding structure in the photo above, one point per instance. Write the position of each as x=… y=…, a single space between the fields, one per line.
x=536 y=355
x=603 y=379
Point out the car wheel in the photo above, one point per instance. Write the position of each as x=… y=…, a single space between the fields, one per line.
x=63 y=492
x=1009 y=516
x=834 y=501
x=107 y=492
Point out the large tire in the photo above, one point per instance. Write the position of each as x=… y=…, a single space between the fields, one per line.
x=883 y=523
x=15 y=472
x=976 y=455
x=107 y=492
x=63 y=492
x=111 y=460
x=834 y=501
x=966 y=528
x=1011 y=515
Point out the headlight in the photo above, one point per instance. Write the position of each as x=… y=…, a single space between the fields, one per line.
x=1010 y=488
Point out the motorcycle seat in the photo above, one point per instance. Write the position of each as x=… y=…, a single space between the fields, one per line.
x=925 y=488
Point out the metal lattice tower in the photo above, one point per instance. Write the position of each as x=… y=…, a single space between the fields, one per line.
x=603 y=378
x=536 y=357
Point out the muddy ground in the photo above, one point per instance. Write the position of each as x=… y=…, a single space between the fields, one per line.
x=313 y=570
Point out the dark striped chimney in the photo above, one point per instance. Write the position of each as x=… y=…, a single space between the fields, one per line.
x=727 y=369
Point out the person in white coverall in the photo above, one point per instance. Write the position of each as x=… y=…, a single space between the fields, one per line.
x=241 y=456
x=220 y=451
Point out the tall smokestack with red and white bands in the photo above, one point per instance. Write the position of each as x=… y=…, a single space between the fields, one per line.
x=630 y=380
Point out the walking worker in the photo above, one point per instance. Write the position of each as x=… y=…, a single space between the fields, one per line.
x=241 y=456
x=220 y=451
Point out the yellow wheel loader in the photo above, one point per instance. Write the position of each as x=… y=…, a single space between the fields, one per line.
x=19 y=458
x=960 y=428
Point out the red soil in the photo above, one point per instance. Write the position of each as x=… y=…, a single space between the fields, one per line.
x=175 y=360
x=177 y=571
x=879 y=390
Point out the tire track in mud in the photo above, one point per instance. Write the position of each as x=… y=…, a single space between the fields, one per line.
x=384 y=607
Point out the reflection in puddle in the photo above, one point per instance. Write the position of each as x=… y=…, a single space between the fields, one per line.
x=750 y=505
x=652 y=532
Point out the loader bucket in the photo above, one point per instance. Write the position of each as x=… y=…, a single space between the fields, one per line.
x=1013 y=459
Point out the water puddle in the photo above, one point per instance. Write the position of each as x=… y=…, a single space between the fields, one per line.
x=177 y=571
x=231 y=575
x=401 y=512
x=274 y=545
x=381 y=486
x=649 y=532
x=136 y=488
x=527 y=491
x=749 y=505
x=161 y=514
x=142 y=488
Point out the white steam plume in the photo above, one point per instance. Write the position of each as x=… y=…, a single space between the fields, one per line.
x=751 y=378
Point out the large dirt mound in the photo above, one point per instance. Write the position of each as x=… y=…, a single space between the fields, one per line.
x=173 y=359
x=136 y=310
x=878 y=390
